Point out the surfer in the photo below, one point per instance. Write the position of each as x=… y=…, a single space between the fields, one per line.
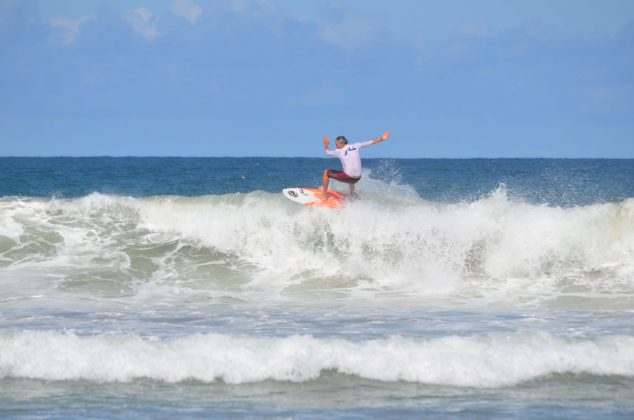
x=350 y=160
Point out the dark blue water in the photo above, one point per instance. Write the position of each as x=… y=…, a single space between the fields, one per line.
x=563 y=182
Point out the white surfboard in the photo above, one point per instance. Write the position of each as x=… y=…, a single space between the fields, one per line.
x=313 y=197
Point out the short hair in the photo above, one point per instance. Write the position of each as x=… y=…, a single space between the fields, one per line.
x=342 y=138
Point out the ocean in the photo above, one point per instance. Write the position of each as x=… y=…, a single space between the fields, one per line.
x=191 y=287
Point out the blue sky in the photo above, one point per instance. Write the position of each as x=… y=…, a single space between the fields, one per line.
x=457 y=78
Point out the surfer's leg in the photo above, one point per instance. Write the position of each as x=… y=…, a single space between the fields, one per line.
x=340 y=176
x=351 y=183
x=325 y=182
x=330 y=173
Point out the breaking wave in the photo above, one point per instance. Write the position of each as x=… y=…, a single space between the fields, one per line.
x=473 y=361
x=398 y=243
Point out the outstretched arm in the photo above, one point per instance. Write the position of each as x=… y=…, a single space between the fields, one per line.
x=383 y=137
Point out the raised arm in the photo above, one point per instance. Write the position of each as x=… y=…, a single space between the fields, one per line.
x=383 y=137
x=326 y=142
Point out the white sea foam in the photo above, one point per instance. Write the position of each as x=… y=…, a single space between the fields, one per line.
x=474 y=361
x=490 y=247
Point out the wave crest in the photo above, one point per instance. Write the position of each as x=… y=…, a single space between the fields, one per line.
x=475 y=361
x=492 y=246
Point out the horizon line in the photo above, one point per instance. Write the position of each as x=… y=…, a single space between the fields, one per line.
x=306 y=157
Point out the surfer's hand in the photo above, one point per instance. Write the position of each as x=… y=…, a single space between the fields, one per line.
x=385 y=135
x=326 y=142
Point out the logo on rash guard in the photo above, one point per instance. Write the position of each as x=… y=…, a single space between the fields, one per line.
x=349 y=149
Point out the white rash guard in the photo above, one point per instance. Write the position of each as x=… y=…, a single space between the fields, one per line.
x=350 y=157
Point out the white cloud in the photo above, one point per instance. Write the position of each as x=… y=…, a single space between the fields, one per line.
x=66 y=31
x=143 y=22
x=187 y=9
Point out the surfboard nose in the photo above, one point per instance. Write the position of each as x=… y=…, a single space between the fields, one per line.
x=315 y=197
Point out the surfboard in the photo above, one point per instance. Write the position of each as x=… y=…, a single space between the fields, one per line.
x=313 y=197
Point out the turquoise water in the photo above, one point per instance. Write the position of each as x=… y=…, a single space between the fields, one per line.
x=156 y=287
